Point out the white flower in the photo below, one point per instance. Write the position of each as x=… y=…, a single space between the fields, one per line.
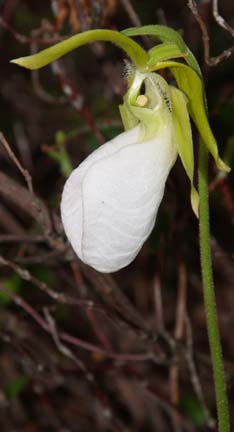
x=110 y=202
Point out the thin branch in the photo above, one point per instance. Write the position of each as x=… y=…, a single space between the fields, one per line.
x=72 y=94
x=42 y=93
x=114 y=297
x=73 y=340
x=9 y=222
x=61 y=347
x=42 y=286
x=134 y=18
x=189 y=355
x=96 y=326
x=14 y=159
x=54 y=256
x=228 y=199
x=219 y=19
x=210 y=61
x=15 y=238
x=179 y=331
x=159 y=316
x=20 y=196
x=28 y=40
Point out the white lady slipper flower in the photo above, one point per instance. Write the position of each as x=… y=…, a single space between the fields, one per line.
x=110 y=201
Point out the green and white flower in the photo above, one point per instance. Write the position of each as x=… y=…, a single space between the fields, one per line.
x=110 y=202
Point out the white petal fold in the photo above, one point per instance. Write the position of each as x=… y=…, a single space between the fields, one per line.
x=110 y=202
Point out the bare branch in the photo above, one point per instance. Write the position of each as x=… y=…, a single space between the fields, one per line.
x=179 y=330
x=27 y=40
x=72 y=94
x=189 y=354
x=134 y=18
x=73 y=340
x=96 y=326
x=219 y=19
x=210 y=61
x=159 y=318
x=61 y=347
x=59 y=297
x=27 y=202
x=26 y=238
x=13 y=157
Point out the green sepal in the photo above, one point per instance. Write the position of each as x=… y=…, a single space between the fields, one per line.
x=136 y=53
x=184 y=140
x=164 y=51
x=168 y=35
x=191 y=84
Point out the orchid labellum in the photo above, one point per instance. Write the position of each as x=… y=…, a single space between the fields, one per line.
x=110 y=202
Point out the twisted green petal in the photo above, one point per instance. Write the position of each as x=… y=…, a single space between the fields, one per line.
x=184 y=139
x=136 y=53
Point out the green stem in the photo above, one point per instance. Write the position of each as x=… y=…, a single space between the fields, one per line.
x=209 y=295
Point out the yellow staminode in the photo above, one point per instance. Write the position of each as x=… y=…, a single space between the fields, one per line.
x=142 y=100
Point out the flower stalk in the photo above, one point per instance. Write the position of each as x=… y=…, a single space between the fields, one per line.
x=209 y=294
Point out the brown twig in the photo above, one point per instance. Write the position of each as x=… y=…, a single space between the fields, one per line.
x=114 y=297
x=179 y=330
x=189 y=355
x=23 y=146
x=219 y=19
x=134 y=18
x=28 y=201
x=169 y=408
x=35 y=76
x=9 y=223
x=210 y=61
x=61 y=347
x=73 y=340
x=13 y=157
x=159 y=318
x=27 y=238
x=22 y=198
x=42 y=286
x=28 y=40
x=54 y=256
x=72 y=94
x=96 y=326
x=42 y=93
x=228 y=199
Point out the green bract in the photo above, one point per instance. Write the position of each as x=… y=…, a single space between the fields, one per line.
x=187 y=99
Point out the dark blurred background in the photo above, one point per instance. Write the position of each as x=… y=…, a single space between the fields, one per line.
x=81 y=351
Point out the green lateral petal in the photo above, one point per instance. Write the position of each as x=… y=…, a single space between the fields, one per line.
x=168 y=35
x=164 y=51
x=136 y=53
x=191 y=84
x=184 y=139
